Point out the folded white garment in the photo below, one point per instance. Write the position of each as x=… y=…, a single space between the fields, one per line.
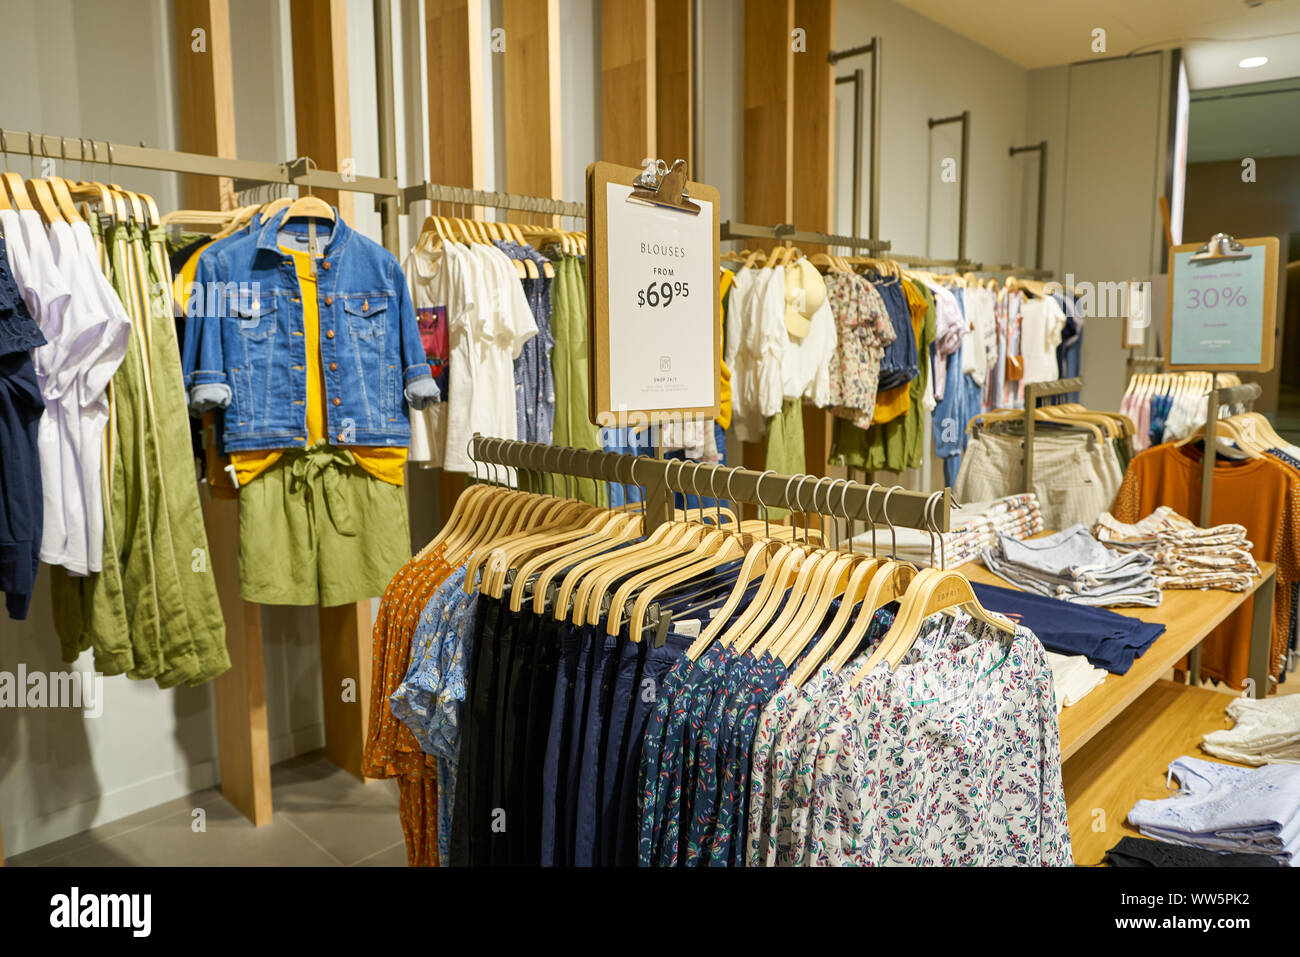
x=1074 y=677
x=1267 y=731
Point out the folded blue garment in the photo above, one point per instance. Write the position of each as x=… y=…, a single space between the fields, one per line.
x=1108 y=640
x=1223 y=808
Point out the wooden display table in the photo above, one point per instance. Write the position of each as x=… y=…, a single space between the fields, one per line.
x=1188 y=617
x=1129 y=760
x=1116 y=744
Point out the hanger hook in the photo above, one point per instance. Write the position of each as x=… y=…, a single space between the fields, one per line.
x=932 y=527
x=469 y=453
x=758 y=495
x=713 y=491
x=786 y=498
x=644 y=490
x=866 y=506
x=893 y=534
x=821 y=515
x=844 y=491
x=805 y=478
x=699 y=499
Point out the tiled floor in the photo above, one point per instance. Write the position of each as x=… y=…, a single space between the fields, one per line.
x=322 y=817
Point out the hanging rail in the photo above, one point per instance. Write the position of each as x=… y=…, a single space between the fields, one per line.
x=964 y=119
x=463 y=196
x=859 y=78
x=1041 y=149
x=966 y=265
x=1033 y=392
x=660 y=477
x=300 y=172
x=788 y=232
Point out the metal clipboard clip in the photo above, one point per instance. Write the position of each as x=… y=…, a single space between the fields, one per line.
x=1220 y=248
x=658 y=185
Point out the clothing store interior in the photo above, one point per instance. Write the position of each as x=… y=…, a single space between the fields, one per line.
x=646 y=433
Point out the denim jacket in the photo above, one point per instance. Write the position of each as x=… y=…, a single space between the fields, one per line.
x=245 y=348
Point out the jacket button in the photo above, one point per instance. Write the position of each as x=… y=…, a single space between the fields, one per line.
x=334 y=367
x=338 y=401
x=325 y=265
x=329 y=300
x=329 y=334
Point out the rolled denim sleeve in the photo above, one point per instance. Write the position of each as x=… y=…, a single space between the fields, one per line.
x=204 y=362
x=415 y=365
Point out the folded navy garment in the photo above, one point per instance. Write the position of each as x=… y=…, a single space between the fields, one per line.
x=1108 y=640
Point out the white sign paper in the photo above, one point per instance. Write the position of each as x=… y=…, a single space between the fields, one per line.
x=662 y=323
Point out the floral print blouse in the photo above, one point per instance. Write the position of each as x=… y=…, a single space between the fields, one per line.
x=864 y=329
x=953 y=759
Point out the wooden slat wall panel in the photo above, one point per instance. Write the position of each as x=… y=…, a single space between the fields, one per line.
x=769 y=112
x=205 y=87
x=322 y=107
x=768 y=165
x=205 y=84
x=674 y=103
x=453 y=37
x=532 y=94
x=814 y=182
x=627 y=80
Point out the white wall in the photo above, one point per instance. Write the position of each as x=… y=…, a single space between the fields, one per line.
x=930 y=71
x=1106 y=123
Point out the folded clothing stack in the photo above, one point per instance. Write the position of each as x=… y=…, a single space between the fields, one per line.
x=1140 y=852
x=1267 y=731
x=1107 y=640
x=971 y=528
x=1186 y=556
x=1073 y=676
x=1222 y=808
x=1073 y=566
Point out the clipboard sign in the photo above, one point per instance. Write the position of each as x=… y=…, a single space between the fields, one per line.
x=1222 y=311
x=654 y=339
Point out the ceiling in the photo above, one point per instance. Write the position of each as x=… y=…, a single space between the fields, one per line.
x=1214 y=34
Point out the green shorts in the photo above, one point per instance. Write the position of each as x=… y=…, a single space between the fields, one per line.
x=316 y=528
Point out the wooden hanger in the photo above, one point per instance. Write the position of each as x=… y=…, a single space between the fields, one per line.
x=63 y=196
x=933 y=590
x=44 y=201
x=17 y=191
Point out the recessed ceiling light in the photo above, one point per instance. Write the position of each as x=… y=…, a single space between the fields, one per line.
x=1252 y=61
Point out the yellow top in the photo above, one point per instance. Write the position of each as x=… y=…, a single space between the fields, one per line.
x=894 y=403
x=219 y=480
x=724 y=374
x=386 y=463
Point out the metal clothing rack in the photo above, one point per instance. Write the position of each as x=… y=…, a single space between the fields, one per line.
x=788 y=232
x=1033 y=392
x=1041 y=149
x=966 y=265
x=799 y=493
x=300 y=172
x=964 y=119
x=463 y=196
x=859 y=78
x=1219 y=395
